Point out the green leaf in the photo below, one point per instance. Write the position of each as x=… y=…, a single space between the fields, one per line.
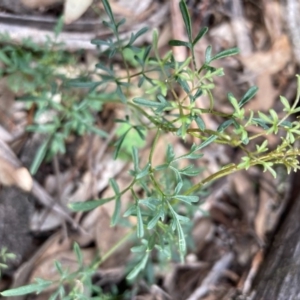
x=78 y=254
x=131 y=211
x=208 y=54
x=4 y=58
x=98 y=131
x=183 y=219
x=161 y=167
x=154 y=220
x=224 y=125
x=108 y=10
x=155 y=43
x=191 y=171
x=181 y=238
x=141 y=81
x=143 y=172
x=137 y=35
x=140 y=224
x=200 y=34
x=179 y=43
x=285 y=103
x=58 y=266
x=162 y=99
x=88 y=205
x=99 y=42
x=178 y=188
x=139 y=267
x=121 y=22
x=146 y=53
x=184 y=85
x=145 y=102
x=170 y=154
x=119 y=143
x=187 y=199
x=82 y=84
x=39 y=156
x=186 y=19
x=268 y=166
x=264 y=117
x=27 y=289
x=135 y=158
x=150 y=202
x=117 y=211
x=200 y=123
x=138 y=249
x=248 y=96
x=262 y=123
x=225 y=53
x=207 y=142
x=120 y=93
x=58 y=26
x=114 y=185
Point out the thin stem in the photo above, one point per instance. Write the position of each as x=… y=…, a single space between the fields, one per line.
x=153 y=146
x=114 y=248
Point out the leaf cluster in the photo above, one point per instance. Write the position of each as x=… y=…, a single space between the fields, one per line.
x=163 y=196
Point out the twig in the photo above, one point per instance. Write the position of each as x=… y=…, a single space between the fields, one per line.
x=220 y=266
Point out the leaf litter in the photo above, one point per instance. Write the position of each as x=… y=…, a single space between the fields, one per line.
x=229 y=229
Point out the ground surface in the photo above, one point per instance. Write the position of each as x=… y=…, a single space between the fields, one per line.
x=241 y=211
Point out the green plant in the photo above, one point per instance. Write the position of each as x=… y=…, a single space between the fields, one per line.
x=168 y=198
x=71 y=285
x=39 y=74
x=4 y=257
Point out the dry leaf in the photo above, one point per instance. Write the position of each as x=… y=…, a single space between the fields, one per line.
x=74 y=9
x=107 y=237
x=20 y=177
x=271 y=61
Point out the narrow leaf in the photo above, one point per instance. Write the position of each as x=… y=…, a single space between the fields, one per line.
x=39 y=156
x=178 y=188
x=145 y=102
x=207 y=142
x=140 y=32
x=248 y=96
x=181 y=238
x=88 y=205
x=208 y=54
x=135 y=158
x=108 y=10
x=285 y=103
x=200 y=123
x=187 y=199
x=224 y=125
x=114 y=185
x=27 y=289
x=143 y=172
x=78 y=254
x=138 y=268
x=117 y=211
x=154 y=220
x=200 y=34
x=226 y=53
x=131 y=211
x=186 y=19
x=179 y=43
x=140 y=225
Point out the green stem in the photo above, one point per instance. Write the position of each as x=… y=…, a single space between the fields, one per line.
x=114 y=248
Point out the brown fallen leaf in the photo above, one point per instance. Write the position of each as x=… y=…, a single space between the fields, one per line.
x=37 y=190
x=74 y=9
x=271 y=61
x=10 y=175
